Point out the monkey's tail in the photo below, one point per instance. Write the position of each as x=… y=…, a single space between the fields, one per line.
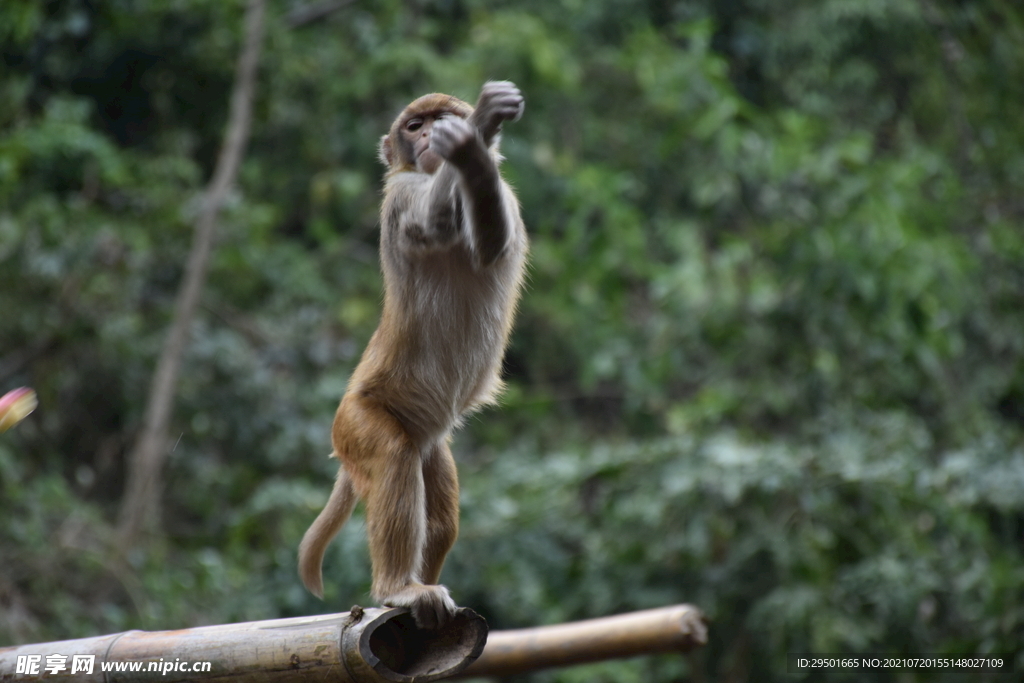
x=327 y=524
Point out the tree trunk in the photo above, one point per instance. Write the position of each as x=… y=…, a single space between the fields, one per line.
x=146 y=460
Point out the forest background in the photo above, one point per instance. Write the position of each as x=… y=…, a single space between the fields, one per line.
x=770 y=360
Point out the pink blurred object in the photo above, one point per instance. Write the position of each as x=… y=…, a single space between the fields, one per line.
x=15 y=406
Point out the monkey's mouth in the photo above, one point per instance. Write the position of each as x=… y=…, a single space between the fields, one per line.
x=428 y=161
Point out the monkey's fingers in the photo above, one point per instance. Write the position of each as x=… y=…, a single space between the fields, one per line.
x=495 y=88
x=502 y=99
x=509 y=109
x=450 y=135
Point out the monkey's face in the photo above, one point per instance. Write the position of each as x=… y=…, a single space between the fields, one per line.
x=415 y=134
x=407 y=146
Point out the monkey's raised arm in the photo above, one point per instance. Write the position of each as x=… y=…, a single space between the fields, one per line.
x=460 y=143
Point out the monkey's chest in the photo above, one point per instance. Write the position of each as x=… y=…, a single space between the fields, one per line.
x=454 y=339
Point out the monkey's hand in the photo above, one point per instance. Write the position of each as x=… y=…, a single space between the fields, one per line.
x=432 y=606
x=456 y=140
x=499 y=101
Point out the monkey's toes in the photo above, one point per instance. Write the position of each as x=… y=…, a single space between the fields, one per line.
x=432 y=606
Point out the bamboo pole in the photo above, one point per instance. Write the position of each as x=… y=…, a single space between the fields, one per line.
x=365 y=645
x=361 y=646
x=679 y=628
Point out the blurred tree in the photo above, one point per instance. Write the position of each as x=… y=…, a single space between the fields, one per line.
x=149 y=452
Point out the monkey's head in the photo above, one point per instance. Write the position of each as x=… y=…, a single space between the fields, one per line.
x=407 y=146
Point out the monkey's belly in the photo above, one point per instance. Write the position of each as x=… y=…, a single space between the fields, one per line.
x=445 y=391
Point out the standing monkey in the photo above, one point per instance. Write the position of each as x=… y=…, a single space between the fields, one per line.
x=453 y=249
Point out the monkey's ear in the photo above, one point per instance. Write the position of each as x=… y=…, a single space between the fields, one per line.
x=385 y=152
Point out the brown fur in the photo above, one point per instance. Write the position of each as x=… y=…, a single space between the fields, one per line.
x=453 y=249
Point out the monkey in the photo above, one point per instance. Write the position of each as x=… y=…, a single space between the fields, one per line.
x=453 y=251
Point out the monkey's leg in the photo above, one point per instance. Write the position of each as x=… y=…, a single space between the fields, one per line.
x=396 y=522
x=395 y=517
x=442 y=492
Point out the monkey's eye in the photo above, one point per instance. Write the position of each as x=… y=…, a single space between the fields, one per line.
x=414 y=124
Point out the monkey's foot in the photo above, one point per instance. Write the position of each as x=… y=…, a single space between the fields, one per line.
x=432 y=607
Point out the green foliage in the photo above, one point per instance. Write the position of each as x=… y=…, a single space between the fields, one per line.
x=770 y=360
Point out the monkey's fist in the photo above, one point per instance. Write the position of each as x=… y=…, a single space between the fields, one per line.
x=499 y=101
